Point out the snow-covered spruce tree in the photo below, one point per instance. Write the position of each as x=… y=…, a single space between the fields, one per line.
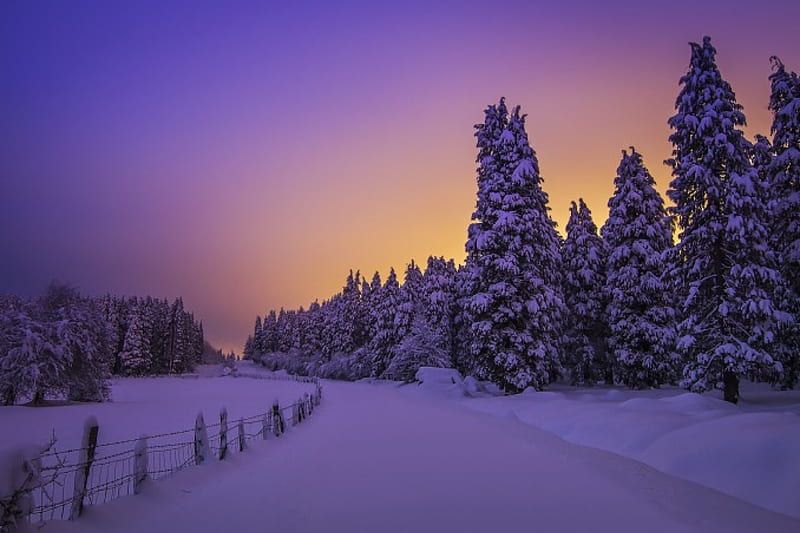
x=783 y=176
x=410 y=303
x=463 y=361
x=311 y=339
x=249 y=349
x=640 y=317
x=726 y=275
x=386 y=338
x=115 y=332
x=439 y=302
x=269 y=342
x=159 y=339
x=360 y=363
x=135 y=355
x=350 y=327
x=283 y=329
x=178 y=339
x=83 y=336
x=252 y=352
x=27 y=362
x=370 y=292
x=584 y=261
x=515 y=307
x=784 y=170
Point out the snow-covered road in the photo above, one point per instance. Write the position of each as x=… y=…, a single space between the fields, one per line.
x=380 y=459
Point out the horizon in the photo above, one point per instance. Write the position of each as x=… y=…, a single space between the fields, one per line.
x=246 y=159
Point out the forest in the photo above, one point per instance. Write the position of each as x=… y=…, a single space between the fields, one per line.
x=702 y=292
x=63 y=345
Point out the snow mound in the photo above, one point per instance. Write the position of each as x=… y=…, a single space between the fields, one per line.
x=475 y=387
x=443 y=381
x=448 y=382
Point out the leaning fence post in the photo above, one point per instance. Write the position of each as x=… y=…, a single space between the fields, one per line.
x=223 y=433
x=25 y=475
x=277 y=419
x=200 y=440
x=90 y=429
x=139 y=464
x=264 y=425
x=241 y=435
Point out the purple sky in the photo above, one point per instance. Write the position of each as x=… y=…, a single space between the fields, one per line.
x=245 y=155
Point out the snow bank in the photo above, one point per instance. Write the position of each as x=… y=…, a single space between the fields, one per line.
x=749 y=451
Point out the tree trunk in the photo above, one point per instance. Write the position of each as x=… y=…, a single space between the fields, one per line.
x=9 y=396
x=38 y=397
x=731 y=383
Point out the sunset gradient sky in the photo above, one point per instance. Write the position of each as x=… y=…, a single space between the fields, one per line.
x=246 y=155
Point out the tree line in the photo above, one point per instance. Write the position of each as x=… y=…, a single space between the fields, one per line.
x=65 y=345
x=622 y=304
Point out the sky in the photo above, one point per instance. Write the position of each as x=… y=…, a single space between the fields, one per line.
x=247 y=155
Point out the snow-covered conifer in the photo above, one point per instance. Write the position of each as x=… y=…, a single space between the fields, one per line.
x=584 y=261
x=385 y=339
x=730 y=318
x=440 y=301
x=254 y=352
x=269 y=326
x=640 y=316
x=782 y=173
x=410 y=304
x=515 y=304
x=135 y=355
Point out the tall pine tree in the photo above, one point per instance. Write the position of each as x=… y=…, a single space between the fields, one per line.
x=782 y=173
x=515 y=305
x=638 y=236
x=726 y=278
x=584 y=259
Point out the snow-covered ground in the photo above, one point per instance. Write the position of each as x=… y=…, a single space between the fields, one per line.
x=147 y=406
x=394 y=459
x=748 y=450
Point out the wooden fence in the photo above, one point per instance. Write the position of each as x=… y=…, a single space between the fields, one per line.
x=60 y=483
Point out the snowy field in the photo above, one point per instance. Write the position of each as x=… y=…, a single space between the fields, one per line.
x=426 y=458
x=147 y=406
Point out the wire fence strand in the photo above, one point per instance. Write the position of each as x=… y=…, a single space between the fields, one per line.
x=113 y=471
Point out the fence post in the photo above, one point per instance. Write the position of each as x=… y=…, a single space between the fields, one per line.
x=139 y=464
x=25 y=475
x=223 y=433
x=90 y=430
x=200 y=440
x=264 y=425
x=241 y=435
x=277 y=419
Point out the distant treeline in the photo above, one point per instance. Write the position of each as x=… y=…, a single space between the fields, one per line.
x=66 y=346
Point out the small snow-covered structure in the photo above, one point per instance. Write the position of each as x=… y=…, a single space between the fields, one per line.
x=441 y=380
x=448 y=382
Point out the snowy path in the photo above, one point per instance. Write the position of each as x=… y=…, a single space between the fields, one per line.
x=385 y=460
